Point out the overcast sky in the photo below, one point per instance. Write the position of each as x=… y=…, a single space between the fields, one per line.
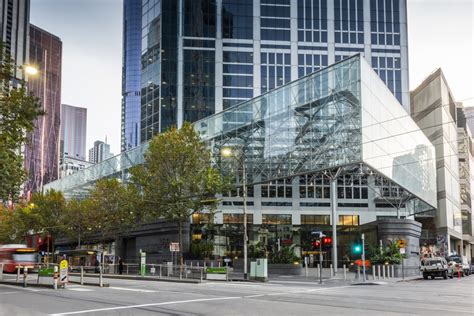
x=440 y=34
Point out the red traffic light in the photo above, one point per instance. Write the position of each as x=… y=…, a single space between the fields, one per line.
x=316 y=244
x=327 y=241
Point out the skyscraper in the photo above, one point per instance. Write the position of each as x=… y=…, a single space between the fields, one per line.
x=131 y=69
x=14 y=20
x=42 y=150
x=99 y=152
x=202 y=56
x=73 y=131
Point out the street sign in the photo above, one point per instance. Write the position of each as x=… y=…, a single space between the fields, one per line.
x=402 y=251
x=174 y=246
x=401 y=243
x=63 y=265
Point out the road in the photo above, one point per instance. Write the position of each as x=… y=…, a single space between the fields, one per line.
x=281 y=297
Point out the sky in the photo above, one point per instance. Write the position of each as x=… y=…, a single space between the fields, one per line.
x=440 y=34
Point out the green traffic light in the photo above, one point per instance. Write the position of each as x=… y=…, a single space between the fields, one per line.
x=357 y=248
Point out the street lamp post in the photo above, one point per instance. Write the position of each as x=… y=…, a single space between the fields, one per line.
x=227 y=152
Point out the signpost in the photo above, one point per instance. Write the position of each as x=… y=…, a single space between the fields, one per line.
x=63 y=269
x=142 y=263
x=174 y=247
x=363 y=256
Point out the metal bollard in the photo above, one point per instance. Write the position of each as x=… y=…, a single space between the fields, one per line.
x=373 y=272
x=127 y=268
x=82 y=275
x=345 y=272
x=383 y=271
x=1 y=271
x=201 y=274
x=18 y=268
x=378 y=271
x=25 y=276
x=358 y=272
x=330 y=270
x=317 y=271
x=101 y=284
x=185 y=272
x=55 y=278
x=212 y=264
x=393 y=271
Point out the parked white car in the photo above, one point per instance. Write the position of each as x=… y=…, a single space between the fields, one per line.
x=436 y=267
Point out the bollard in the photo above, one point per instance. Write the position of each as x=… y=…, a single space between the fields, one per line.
x=330 y=270
x=219 y=264
x=198 y=264
x=25 y=276
x=373 y=272
x=318 y=271
x=1 y=271
x=18 y=268
x=127 y=268
x=393 y=271
x=378 y=271
x=383 y=271
x=55 y=278
x=160 y=270
x=185 y=272
x=212 y=264
x=82 y=275
x=101 y=284
x=358 y=273
x=345 y=272
x=201 y=274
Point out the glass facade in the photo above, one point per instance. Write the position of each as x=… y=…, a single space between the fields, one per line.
x=203 y=56
x=131 y=72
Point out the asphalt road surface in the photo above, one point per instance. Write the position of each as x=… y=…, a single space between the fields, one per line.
x=281 y=297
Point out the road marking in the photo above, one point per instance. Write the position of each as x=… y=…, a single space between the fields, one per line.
x=256 y=295
x=131 y=289
x=3 y=293
x=79 y=289
x=147 y=305
x=22 y=288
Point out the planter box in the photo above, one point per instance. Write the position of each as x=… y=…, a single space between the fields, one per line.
x=285 y=269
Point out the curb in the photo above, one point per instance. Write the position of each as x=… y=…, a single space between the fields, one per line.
x=90 y=284
x=29 y=284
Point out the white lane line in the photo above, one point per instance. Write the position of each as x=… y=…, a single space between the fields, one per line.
x=3 y=293
x=79 y=289
x=146 y=305
x=190 y=301
x=22 y=288
x=131 y=289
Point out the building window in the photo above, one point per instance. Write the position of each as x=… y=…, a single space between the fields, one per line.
x=275 y=20
x=315 y=220
x=281 y=188
x=312 y=21
x=276 y=219
x=349 y=21
x=201 y=218
x=275 y=70
x=237 y=19
x=237 y=218
x=309 y=63
x=348 y=220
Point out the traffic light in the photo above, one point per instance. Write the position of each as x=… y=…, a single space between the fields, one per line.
x=316 y=244
x=327 y=243
x=357 y=248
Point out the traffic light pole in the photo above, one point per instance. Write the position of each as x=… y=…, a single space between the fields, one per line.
x=320 y=260
x=363 y=256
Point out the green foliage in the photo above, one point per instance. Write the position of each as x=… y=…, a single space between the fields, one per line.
x=256 y=251
x=177 y=179
x=15 y=224
x=201 y=249
x=284 y=256
x=388 y=254
x=18 y=112
x=49 y=209
x=114 y=207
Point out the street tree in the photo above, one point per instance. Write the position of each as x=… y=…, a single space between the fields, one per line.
x=177 y=179
x=18 y=112
x=115 y=207
x=16 y=224
x=80 y=220
x=49 y=210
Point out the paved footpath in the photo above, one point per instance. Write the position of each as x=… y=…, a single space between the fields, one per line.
x=282 y=296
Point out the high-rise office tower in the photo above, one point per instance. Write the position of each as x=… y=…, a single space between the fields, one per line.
x=99 y=152
x=42 y=149
x=202 y=56
x=14 y=29
x=131 y=70
x=73 y=131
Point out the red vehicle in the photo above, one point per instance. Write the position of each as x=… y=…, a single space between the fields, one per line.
x=17 y=255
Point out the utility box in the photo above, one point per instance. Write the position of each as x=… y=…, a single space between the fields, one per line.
x=259 y=270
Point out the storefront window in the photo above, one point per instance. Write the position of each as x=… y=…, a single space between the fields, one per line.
x=237 y=218
x=349 y=220
x=201 y=218
x=315 y=219
x=273 y=219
